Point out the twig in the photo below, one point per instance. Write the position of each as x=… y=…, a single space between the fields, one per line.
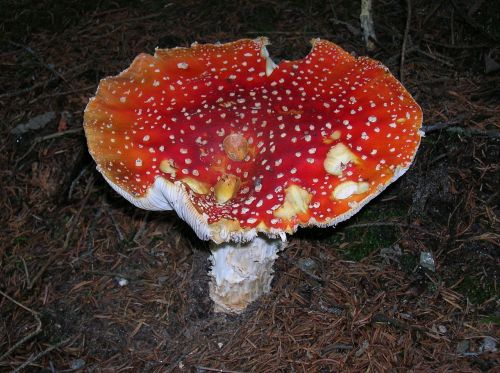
x=336 y=346
x=45 y=138
x=308 y=272
x=495 y=134
x=281 y=32
x=40 y=84
x=142 y=227
x=75 y=181
x=438 y=80
x=431 y=56
x=63 y=93
x=123 y=21
x=29 y=336
x=112 y=274
x=175 y=364
x=26 y=270
x=471 y=22
x=335 y=309
x=121 y=237
x=375 y=224
x=452 y=28
x=448 y=127
x=431 y=12
x=217 y=370
x=383 y=319
x=436 y=127
x=389 y=224
x=90 y=235
x=58 y=134
x=19 y=304
x=405 y=38
x=394 y=58
x=39 y=59
x=68 y=235
x=353 y=30
x=39 y=355
x=451 y=46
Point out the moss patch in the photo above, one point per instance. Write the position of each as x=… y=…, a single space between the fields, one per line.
x=363 y=241
x=476 y=290
x=408 y=262
x=490 y=319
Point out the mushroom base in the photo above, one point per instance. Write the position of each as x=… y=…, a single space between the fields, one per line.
x=242 y=272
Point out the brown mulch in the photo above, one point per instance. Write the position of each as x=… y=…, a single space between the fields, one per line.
x=89 y=283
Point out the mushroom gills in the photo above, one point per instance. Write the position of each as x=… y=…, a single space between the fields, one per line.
x=242 y=272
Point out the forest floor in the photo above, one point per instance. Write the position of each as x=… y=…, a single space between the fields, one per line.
x=90 y=283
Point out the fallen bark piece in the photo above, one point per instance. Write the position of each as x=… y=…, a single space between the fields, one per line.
x=35 y=123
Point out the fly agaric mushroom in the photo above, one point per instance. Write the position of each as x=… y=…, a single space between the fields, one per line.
x=246 y=151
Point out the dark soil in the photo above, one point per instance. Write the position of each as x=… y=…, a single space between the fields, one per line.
x=67 y=241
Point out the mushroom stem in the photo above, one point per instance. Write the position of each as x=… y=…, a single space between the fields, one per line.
x=242 y=272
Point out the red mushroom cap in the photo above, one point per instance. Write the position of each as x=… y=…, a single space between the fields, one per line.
x=237 y=145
